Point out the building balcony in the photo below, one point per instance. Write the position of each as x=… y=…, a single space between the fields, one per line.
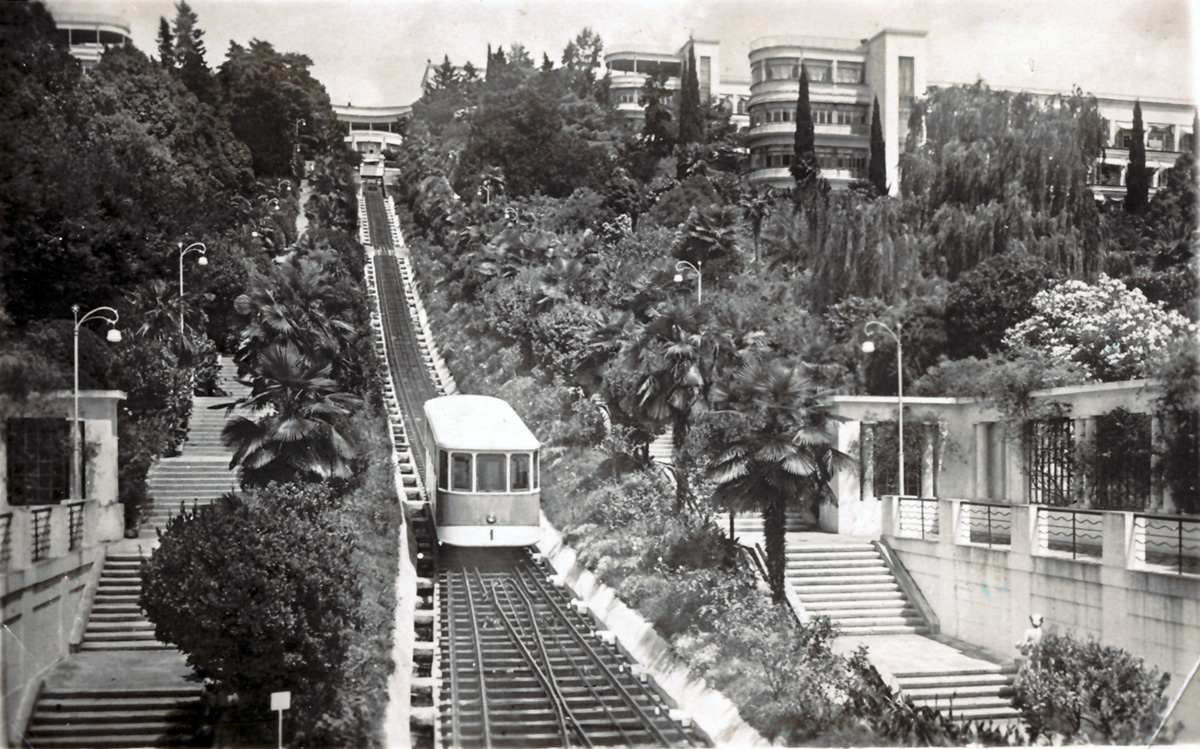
x=774 y=176
x=817 y=90
x=768 y=129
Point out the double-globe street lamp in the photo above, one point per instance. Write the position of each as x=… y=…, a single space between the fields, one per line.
x=194 y=247
x=868 y=346
x=683 y=265
x=113 y=336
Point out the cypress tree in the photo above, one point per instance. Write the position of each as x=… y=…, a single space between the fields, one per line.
x=877 y=168
x=691 y=126
x=805 y=169
x=189 y=54
x=1137 y=177
x=166 y=44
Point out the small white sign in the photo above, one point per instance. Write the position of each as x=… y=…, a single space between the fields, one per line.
x=281 y=700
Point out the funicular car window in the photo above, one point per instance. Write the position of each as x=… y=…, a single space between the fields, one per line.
x=443 y=469
x=491 y=474
x=520 y=472
x=460 y=478
x=535 y=471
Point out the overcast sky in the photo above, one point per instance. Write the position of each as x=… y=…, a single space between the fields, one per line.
x=373 y=52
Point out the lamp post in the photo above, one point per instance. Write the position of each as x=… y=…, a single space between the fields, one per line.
x=194 y=247
x=868 y=346
x=113 y=336
x=683 y=265
x=299 y=124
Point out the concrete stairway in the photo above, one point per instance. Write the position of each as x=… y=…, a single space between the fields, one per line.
x=966 y=694
x=116 y=621
x=751 y=523
x=852 y=585
x=130 y=717
x=200 y=473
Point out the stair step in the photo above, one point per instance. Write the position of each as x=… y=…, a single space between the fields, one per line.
x=798 y=571
x=841 y=580
x=855 y=615
x=1001 y=691
x=889 y=630
x=124 y=645
x=856 y=602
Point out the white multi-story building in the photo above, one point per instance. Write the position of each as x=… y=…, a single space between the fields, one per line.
x=87 y=34
x=845 y=77
x=371 y=130
x=630 y=68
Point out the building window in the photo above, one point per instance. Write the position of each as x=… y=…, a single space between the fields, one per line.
x=1124 y=137
x=819 y=71
x=783 y=68
x=908 y=84
x=849 y=72
x=756 y=72
x=491 y=473
x=705 y=77
x=741 y=106
x=1185 y=142
x=1159 y=138
x=39 y=461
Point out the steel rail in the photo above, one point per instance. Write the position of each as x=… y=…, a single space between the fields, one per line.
x=455 y=729
x=522 y=589
x=557 y=700
x=485 y=708
x=607 y=672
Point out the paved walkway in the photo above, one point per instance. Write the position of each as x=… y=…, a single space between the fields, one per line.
x=921 y=653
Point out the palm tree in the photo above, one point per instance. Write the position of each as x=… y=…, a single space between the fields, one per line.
x=668 y=356
x=299 y=434
x=290 y=305
x=756 y=206
x=773 y=448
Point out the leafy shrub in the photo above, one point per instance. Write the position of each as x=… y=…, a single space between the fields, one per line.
x=262 y=595
x=1112 y=331
x=1073 y=689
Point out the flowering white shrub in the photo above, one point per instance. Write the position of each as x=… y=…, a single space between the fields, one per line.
x=1113 y=331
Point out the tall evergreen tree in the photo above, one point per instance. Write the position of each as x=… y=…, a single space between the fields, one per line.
x=691 y=121
x=805 y=169
x=1196 y=134
x=189 y=53
x=1137 y=176
x=877 y=169
x=166 y=44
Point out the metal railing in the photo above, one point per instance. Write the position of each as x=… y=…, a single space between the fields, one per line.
x=6 y=521
x=74 y=526
x=985 y=523
x=1169 y=542
x=39 y=523
x=917 y=517
x=1078 y=533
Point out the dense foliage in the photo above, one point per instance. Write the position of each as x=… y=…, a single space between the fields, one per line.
x=1071 y=689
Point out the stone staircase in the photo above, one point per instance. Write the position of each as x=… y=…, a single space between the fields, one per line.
x=965 y=694
x=131 y=717
x=200 y=473
x=116 y=621
x=751 y=523
x=853 y=586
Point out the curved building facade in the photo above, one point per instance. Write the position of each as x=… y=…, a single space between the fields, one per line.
x=372 y=130
x=628 y=70
x=844 y=77
x=88 y=34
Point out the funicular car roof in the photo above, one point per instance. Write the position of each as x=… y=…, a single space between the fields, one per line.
x=477 y=423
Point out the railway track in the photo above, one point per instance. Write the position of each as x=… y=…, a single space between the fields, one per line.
x=512 y=661
x=525 y=668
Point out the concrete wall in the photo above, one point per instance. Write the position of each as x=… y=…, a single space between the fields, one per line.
x=39 y=607
x=985 y=596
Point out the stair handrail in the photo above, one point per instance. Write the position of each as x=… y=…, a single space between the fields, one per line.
x=911 y=590
x=84 y=612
